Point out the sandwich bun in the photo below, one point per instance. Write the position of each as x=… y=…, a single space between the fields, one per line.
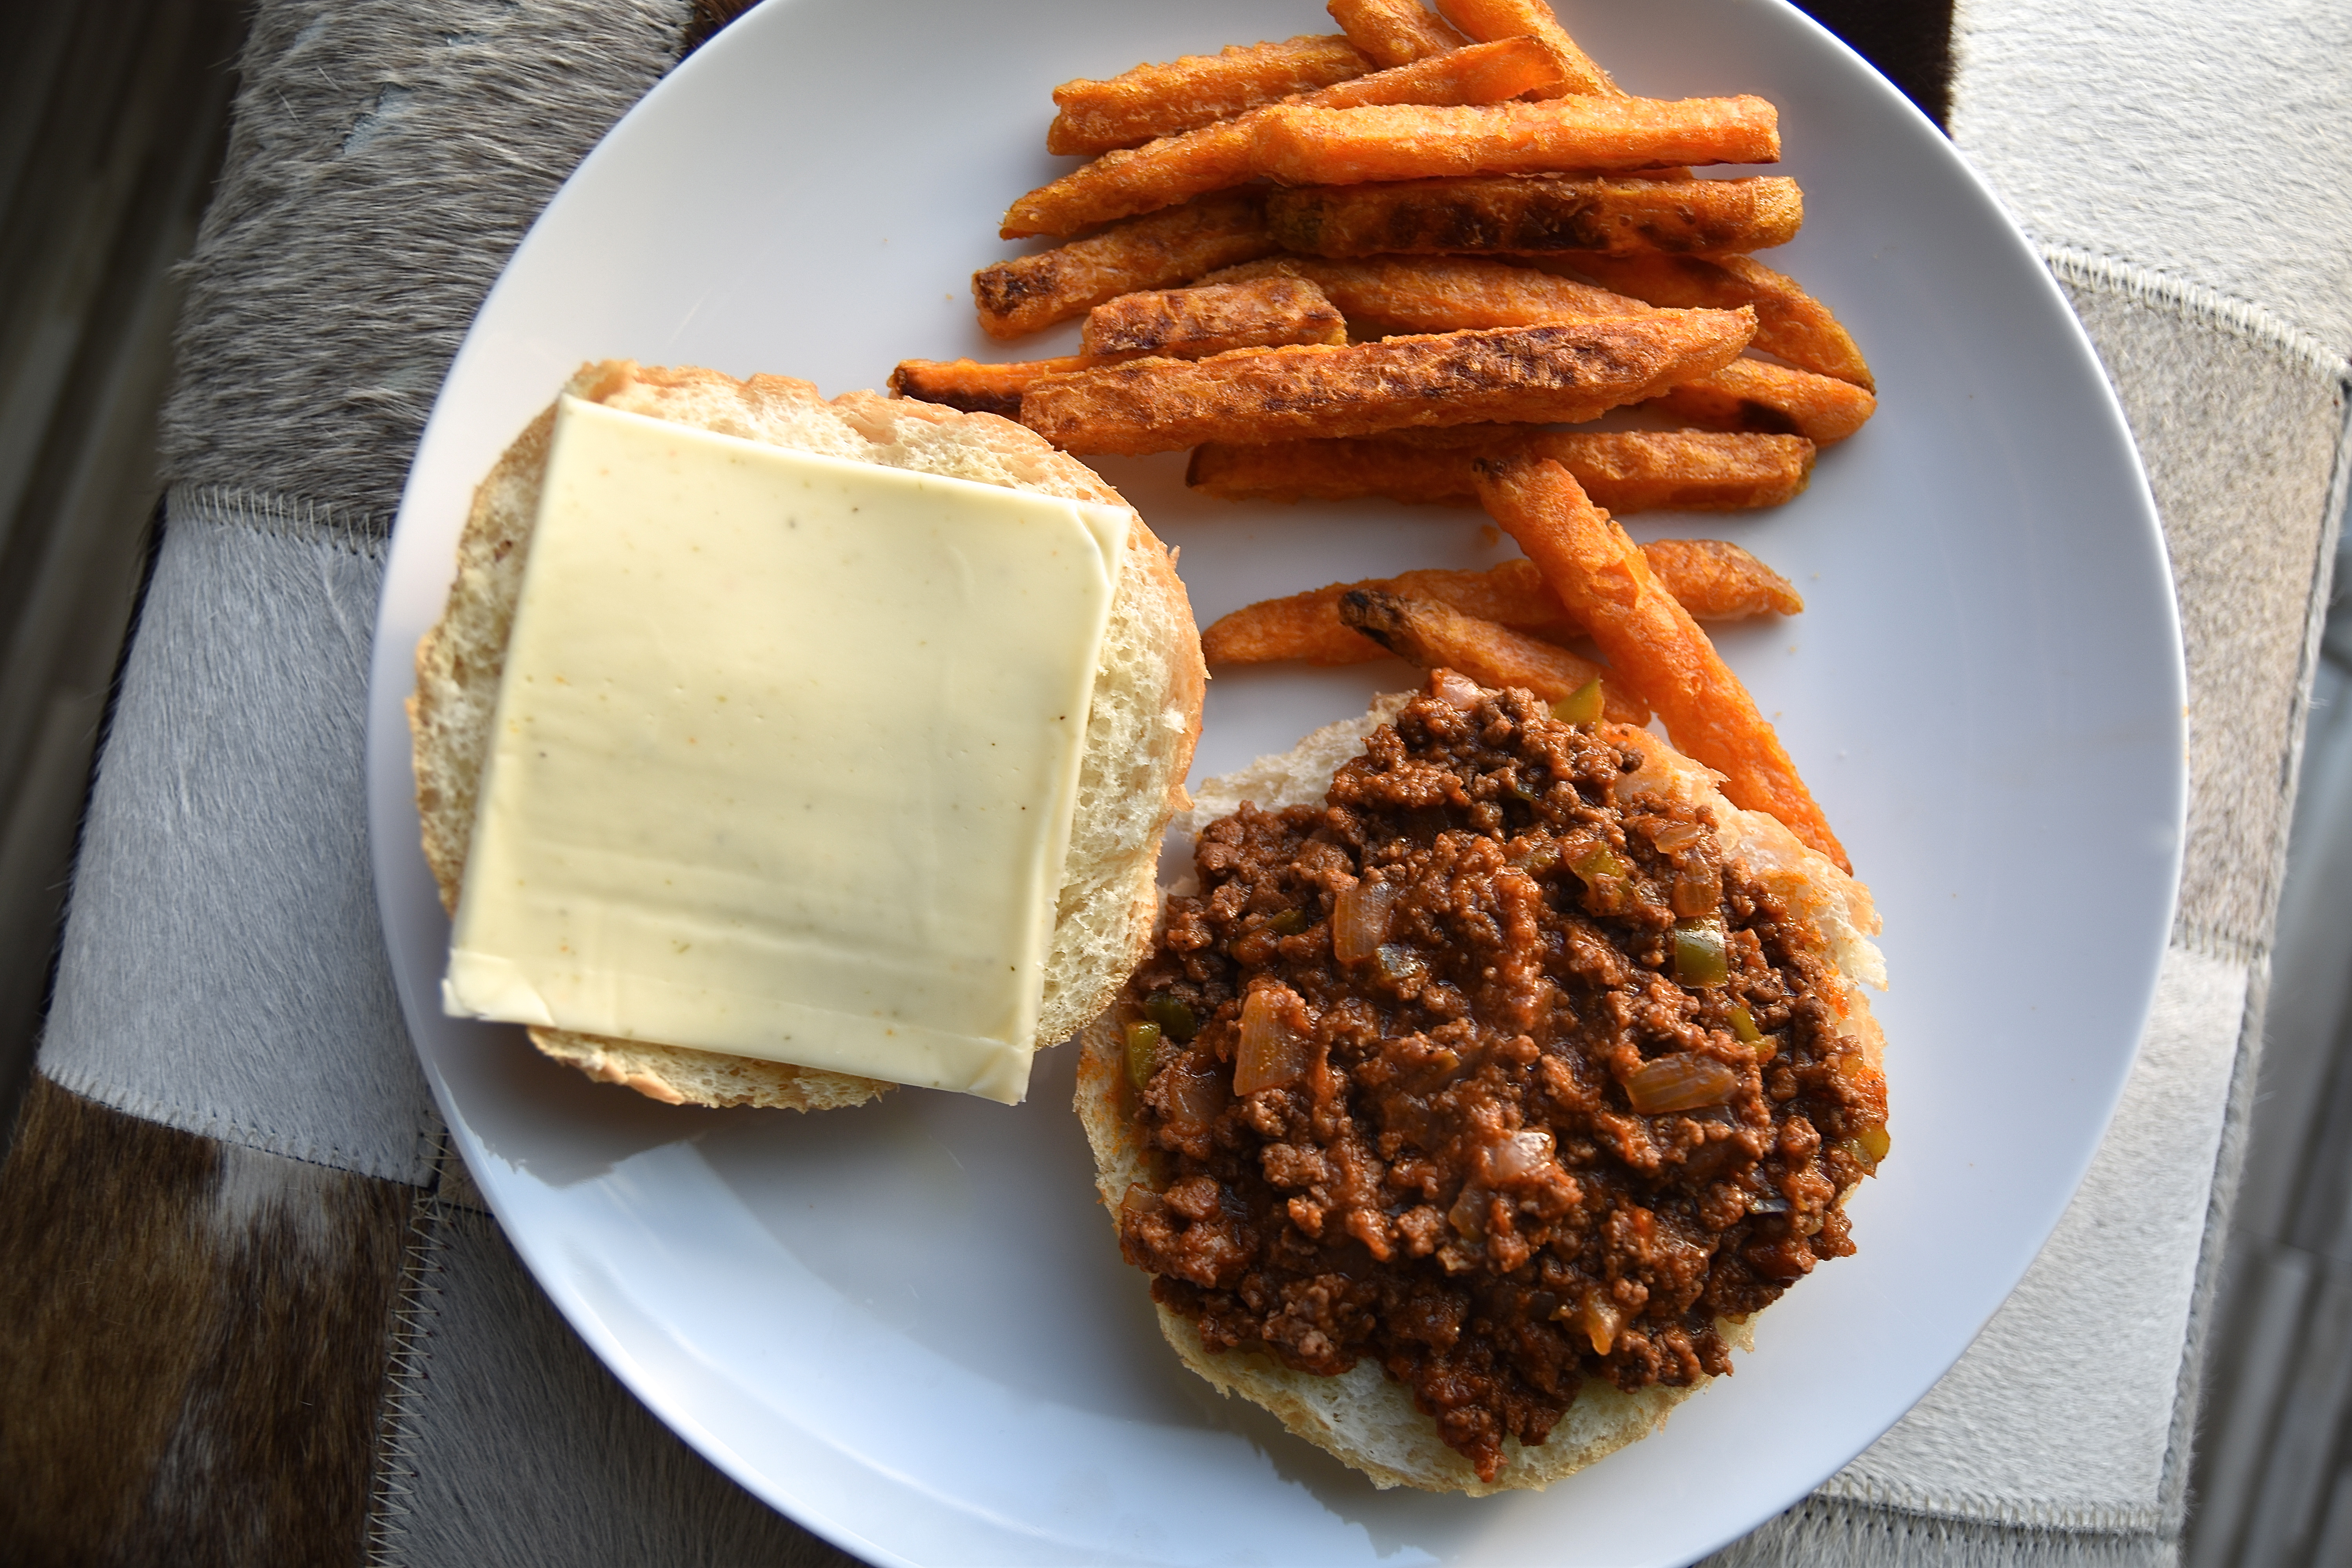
x=1362 y=1417
x=1139 y=732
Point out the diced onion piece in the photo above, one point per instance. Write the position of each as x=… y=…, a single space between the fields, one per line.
x=1272 y=1053
x=1681 y=1081
x=1142 y=1047
x=1699 y=955
x=1469 y=1215
x=1523 y=1154
x=1194 y=1098
x=1697 y=891
x=1289 y=922
x=1581 y=706
x=1359 y=920
x=1743 y=1024
x=1599 y=1319
x=1869 y=1146
x=1672 y=836
x=1174 y=1018
x=1456 y=691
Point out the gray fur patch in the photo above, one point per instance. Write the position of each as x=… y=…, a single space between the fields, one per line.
x=224 y=969
x=513 y=1444
x=386 y=160
x=2239 y=437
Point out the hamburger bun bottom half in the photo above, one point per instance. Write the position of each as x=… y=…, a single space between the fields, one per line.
x=1362 y=1417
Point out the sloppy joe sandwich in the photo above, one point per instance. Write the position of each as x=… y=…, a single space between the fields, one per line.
x=771 y=750
x=1486 y=1078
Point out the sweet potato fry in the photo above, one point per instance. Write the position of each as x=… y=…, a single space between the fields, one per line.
x=1192 y=323
x=1441 y=293
x=1710 y=578
x=1139 y=180
x=1512 y=594
x=1791 y=324
x=1479 y=73
x=1437 y=635
x=1176 y=323
x=1176 y=168
x=1757 y=395
x=974 y=387
x=1133 y=107
x=1537 y=214
x=1607 y=582
x=1393 y=32
x=1716 y=580
x=1300 y=145
x=1307 y=626
x=1623 y=470
x=1302 y=626
x=1683 y=470
x=1489 y=19
x=1033 y=292
x=1521 y=374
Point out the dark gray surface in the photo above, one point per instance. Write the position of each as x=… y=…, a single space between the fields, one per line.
x=112 y=121
x=525 y=1452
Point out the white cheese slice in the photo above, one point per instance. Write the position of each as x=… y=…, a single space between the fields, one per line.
x=785 y=757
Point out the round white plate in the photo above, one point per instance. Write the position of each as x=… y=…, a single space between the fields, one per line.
x=909 y=1325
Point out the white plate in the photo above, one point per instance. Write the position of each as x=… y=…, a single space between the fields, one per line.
x=909 y=1325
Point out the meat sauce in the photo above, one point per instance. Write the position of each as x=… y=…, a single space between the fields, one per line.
x=1474 y=1073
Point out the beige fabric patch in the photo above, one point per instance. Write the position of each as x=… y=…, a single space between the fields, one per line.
x=2061 y=1412
x=2204 y=141
x=2240 y=438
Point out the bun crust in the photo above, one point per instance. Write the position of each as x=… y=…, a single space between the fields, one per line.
x=1139 y=732
x=1362 y=1417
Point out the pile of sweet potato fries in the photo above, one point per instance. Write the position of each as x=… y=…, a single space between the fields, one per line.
x=1389 y=263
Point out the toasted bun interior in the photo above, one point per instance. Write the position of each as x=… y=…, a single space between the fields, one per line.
x=1140 y=730
x=1362 y=1417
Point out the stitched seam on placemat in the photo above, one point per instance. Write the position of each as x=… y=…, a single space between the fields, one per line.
x=2212 y=941
x=1972 y=1508
x=1912 y=1537
x=2238 y=318
x=226 y=1130
x=283 y=517
x=390 y=1500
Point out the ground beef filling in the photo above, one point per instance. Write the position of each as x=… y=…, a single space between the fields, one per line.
x=1473 y=1073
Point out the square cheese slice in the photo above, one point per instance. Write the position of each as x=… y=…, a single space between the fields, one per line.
x=785 y=755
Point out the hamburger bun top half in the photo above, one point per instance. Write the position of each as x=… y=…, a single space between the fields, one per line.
x=1139 y=731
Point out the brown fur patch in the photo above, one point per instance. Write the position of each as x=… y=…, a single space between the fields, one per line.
x=194 y=1341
